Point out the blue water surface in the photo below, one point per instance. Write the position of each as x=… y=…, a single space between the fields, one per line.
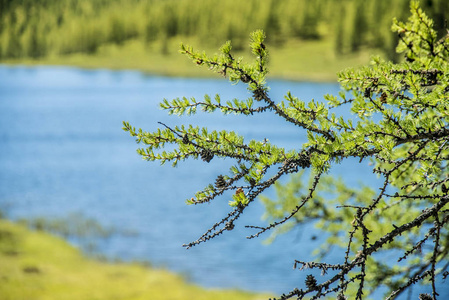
x=62 y=150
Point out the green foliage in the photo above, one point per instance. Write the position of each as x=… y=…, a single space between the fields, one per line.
x=56 y=27
x=400 y=124
x=239 y=199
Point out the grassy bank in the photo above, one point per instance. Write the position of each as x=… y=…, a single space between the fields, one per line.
x=296 y=60
x=36 y=265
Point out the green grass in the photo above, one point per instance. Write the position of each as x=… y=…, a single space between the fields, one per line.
x=313 y=61
x=36 y=265
x=296 y=60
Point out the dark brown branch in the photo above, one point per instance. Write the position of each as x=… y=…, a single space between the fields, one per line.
x=292 y=213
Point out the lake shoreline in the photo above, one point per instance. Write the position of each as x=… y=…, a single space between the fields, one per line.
x=38 y=264
x=168 y=74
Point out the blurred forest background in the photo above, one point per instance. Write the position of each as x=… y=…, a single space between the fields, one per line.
x=307 y=40
x=144 y=34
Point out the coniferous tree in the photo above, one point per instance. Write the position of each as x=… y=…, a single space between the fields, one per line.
x=311 y=18
x=340 y=34
x=272 y=22
x=13 y=46
x=33 y=44
x=402 y=127
x=117 y=32
x=359 y=27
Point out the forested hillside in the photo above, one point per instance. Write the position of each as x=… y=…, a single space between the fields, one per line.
x=39 y=28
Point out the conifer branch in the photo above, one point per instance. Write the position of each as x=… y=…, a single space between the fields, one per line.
x=292 y=213
x=409 y=149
